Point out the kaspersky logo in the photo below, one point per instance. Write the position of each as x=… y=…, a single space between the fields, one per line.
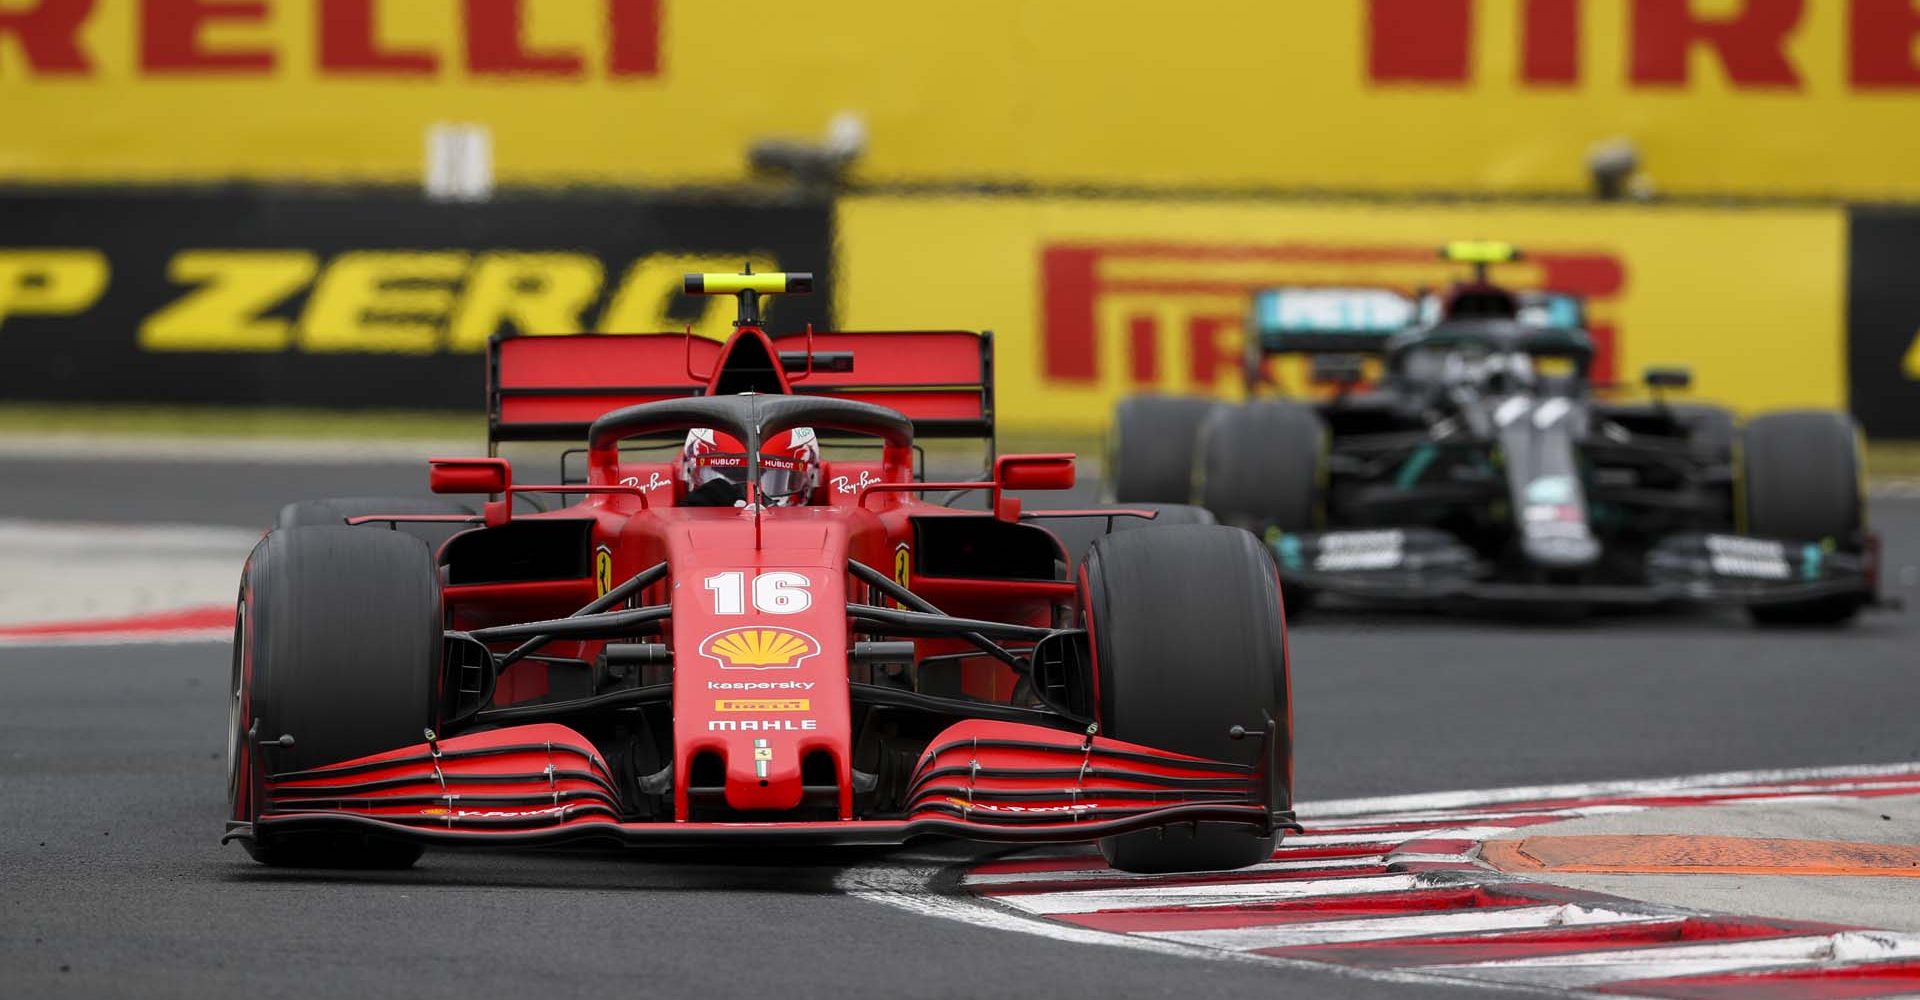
x=759 y=647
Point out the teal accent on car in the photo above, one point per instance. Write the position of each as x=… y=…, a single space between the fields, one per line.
x=1415 y=466
x=1289 y=549
x=1810 y=558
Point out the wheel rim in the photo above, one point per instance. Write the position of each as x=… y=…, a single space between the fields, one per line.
x=236 y=708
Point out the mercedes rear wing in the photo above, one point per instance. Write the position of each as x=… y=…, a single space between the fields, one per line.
x=551 y=387
x=1359 y=320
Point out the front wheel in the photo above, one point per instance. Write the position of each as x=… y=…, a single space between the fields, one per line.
x=1800 y=482
x=337 y=644
x=1150 y=448
x=1190 y=641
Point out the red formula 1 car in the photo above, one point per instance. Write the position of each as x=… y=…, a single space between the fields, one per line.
x=823 y=657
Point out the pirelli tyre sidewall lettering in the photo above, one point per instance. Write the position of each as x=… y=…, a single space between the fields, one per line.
x=370 y=297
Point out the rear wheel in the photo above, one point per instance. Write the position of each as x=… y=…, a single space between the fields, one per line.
x=1800 y=482
x=1150 y=453
x=1190 y=641
x=1263 y=464
x=1263 y=467
x=338 y=645
x=1710 y=430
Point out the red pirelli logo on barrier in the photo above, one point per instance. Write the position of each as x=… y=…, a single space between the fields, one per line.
x=1164 y=300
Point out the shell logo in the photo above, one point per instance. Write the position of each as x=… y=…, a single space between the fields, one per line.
x=759 y=647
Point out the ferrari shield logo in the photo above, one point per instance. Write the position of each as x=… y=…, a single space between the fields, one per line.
x=603 y=570
x=759 y=647
x=762 y=756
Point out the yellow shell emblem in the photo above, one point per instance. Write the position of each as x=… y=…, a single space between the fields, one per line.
x=759 y=648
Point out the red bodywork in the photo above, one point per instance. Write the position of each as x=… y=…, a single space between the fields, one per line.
x=759 y=688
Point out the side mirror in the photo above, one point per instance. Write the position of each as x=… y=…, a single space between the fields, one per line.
x=1667 y=377
x=1034 y=472
x=469 y=475
x=1028 y=472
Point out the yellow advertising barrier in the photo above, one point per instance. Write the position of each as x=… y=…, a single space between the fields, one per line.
x=1091 y=300
x=1809 y=97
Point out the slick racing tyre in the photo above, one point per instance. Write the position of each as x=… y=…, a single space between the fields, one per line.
x=1800 y=477
x=337 y=643
x=1189 y=642
x=1150 y=453
x=334 y=511
x=1263 y=464
x=1710 y=429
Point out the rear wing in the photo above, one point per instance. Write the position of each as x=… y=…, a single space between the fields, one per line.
x=1329 y=320
x=551 y=387
x=1359 y=320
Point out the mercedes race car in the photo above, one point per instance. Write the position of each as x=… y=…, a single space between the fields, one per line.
x=1463 y=453
x=743 y=642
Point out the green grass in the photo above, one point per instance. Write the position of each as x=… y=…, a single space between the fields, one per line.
x=220 y=421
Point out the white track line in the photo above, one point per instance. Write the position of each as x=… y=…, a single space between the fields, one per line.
x=1345 y=809
x=1098 y=870
x=1212 y=894
x=1398 y=836
x=1578 y=971
x=901 y=884
x=1470 y=921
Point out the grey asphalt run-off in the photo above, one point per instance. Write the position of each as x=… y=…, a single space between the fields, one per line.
x=112 y=788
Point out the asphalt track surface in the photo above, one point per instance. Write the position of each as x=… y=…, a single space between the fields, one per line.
x=112 y=779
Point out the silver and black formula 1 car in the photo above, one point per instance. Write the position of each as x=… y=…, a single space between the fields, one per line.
x=1478 y=465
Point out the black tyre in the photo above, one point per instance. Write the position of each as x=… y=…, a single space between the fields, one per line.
x=1190 y=641
x=1151 y=448
x=1800 y=478
x=1263 y=465
x=338 y=644
x=334 y=511
x=1710 y=430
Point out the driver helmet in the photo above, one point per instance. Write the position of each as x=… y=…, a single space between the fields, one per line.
x=714 y=467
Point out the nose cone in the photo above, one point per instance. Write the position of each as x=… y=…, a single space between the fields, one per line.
x=1561 y=549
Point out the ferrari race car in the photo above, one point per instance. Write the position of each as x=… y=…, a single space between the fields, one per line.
x=1478 y=464
x=792 y=649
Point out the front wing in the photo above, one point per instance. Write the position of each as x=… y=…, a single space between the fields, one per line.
x=1423 y=564
x=544 y=784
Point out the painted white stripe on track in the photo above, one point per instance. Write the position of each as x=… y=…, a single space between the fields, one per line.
x=1397 y=805
x=903 y=885
x=1472 y=921
x=1430 y=859
x=1104 y=873
x=1211 y=894
x=1578 y=971
x=1399 y=836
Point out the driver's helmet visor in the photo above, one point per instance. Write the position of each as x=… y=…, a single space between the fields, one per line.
x=781 y=479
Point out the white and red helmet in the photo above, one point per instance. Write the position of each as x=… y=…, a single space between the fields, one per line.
x=789 y=466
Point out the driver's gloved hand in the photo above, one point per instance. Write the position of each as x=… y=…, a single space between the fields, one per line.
x=716 y=493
